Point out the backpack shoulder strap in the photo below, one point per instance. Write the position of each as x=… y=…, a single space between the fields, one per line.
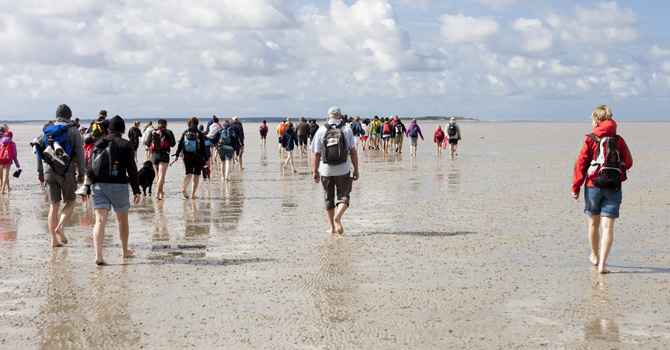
x=593 y=137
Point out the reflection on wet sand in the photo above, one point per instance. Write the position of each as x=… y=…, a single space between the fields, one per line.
x=601 y=328
x=8 y=225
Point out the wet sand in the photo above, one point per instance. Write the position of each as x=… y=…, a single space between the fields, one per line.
x=486 y=250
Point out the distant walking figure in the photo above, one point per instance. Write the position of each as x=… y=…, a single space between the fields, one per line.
x=453 y=135
x=334 y=151
x=601 y=166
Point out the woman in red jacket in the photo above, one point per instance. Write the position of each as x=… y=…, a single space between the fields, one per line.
x=602 y=204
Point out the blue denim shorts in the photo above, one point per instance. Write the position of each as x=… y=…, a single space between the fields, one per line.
x=602 y=201
x=106 y=196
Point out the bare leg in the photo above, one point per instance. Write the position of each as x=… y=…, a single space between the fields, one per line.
x=123 y=234
x=53 y=223
x=187 y=180
x=330 y=214
x=606 y=243
x=5 y=180
x=341 y=208
x=227 y=170
x=290 y=156
x=64 y=217
x=194 y=187
x=162 y=170
x=99 y=233
x=594 y=238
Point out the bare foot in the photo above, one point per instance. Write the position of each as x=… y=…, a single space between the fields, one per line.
x=59 y=232
x=338 y=226
x=194 y=197
x=223 y=179
x=56 y=245
x=294 y=171
x=603 y=270
x=228 y=179
x=184 y=193
x=594 y=259
x=99 y=261
x=129 y=253
x=331 y=231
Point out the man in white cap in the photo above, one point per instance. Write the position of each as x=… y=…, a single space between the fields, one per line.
x=334 y=152
x=453 y=135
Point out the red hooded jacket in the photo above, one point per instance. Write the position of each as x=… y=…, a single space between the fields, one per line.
x=588 y=153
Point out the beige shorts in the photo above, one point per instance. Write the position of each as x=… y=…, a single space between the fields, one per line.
x=57 y=187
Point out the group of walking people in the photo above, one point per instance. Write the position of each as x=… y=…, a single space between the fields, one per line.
x=99 y=158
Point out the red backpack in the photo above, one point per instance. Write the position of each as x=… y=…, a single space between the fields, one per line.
x=87 y=150
x=7 y=153
x=386 y=129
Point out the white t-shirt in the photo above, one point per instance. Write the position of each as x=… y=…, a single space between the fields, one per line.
x=339 y=169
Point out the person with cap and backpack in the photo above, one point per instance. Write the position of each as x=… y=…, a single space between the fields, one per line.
x=192 y=144
x=334 y=152
x=110 y=169
x=601 y=167
x=159 y=142
x=453 y=136
x=99 y=127
x=60 y=153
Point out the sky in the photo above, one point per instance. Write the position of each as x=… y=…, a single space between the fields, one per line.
x=484 y=59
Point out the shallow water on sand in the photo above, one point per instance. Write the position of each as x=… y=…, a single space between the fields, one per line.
x=484 y=250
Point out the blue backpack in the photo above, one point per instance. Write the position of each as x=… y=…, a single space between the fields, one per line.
x=54 y=134
x=191 y=141
x=225 y=138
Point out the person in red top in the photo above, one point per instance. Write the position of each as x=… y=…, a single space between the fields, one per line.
x=438 y=137
x=602 y=204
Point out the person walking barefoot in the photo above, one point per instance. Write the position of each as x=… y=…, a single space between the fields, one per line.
x=289 y=140
x=110 y=190
x=601 y=203
x=332 y=167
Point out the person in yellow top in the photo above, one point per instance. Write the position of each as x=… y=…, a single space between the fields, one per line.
x=374 y=131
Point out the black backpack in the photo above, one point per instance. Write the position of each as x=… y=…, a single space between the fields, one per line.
x=334 y=147
x=313 y=128
x=104 y=159
x=451 y=130
x=606 y=169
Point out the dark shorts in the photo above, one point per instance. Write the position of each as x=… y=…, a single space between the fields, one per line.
x=239 y=150
x=340 y=183
x=226 y=153
x=57 y=187
x=453 y=141
x=302 y=141
x=160 y=157
x=193 y=163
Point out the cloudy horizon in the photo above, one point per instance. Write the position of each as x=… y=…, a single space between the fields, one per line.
x=483 y=59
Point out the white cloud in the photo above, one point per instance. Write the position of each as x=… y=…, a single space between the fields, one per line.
x=659 y=52
x=496 y=4
x=607 y=23
x=536 y=38
x=460 y=28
